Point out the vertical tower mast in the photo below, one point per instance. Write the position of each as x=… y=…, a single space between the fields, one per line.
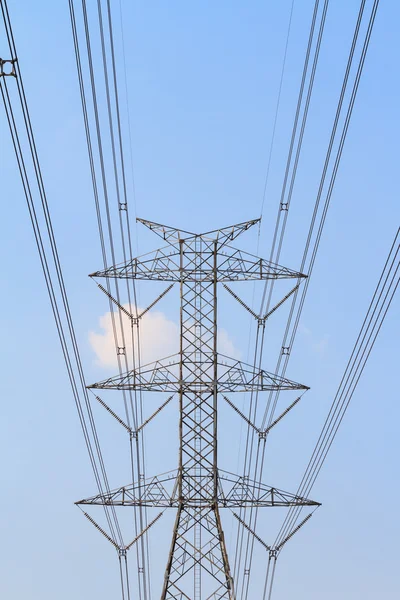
x=198 y=541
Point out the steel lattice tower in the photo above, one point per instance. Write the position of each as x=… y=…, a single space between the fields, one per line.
x=198 y=566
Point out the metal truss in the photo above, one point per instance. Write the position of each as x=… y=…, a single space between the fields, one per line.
x=198 y=566
x=165 y=264
x=233 y=490
x=164 y=376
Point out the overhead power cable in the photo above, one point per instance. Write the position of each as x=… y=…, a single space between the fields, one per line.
x=278 y=101
x=296 y=141
x=289 y=341
x=377 y=310
x=98 y=87
x=260 y=460
x=46 y=244
x=297 y=307
x=312 y=53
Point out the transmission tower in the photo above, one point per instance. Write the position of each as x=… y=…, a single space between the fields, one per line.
x=198 y=565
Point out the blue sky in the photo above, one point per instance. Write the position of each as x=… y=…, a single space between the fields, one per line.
x=203 y=80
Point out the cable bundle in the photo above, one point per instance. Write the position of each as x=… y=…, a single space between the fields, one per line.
x=377 y=310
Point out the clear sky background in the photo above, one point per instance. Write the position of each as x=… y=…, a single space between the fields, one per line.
x=203 y=80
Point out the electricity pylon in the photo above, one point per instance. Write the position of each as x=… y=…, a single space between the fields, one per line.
x=198 y=565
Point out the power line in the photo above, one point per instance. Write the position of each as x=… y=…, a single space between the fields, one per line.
x=118 y=183
x=275 y=257
x=371 y=326
x=285 y=357
x=290 y=332
x=51 y=266
x=278 y=101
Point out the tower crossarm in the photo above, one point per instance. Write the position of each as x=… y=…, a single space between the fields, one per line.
x=233 y=376
x=167 y=233
x=158 y=491
x=221 y=236
x=237 y=265
x=159 y=376
x=237 y=376
x=239 y=490
x=233 y=491
x=158 y=265
x=229 y=264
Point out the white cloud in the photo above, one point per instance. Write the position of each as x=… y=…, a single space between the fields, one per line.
x=159 y=338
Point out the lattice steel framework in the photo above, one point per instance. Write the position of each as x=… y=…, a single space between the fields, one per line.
x=198 y=566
